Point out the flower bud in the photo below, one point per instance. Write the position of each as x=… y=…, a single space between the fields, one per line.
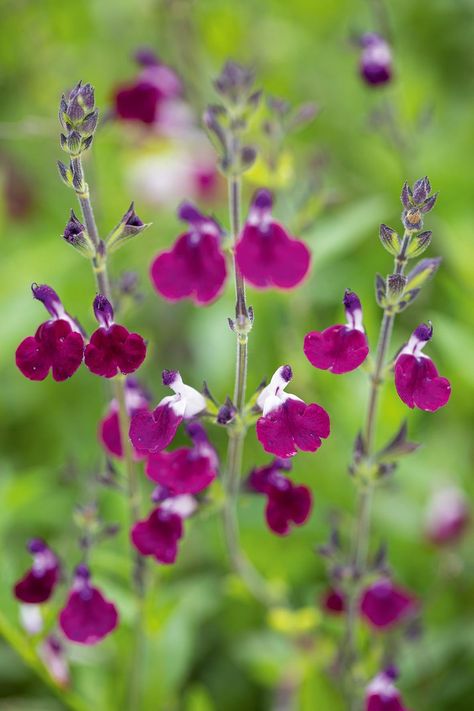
x=129 y=226
x=103 y=311
x=419 y=244
x=390 y=240
x=78 y=119
x=76 y=235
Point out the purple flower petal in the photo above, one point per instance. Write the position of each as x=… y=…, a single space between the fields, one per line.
x=183 y=471
x=383 y=604
x=158 y=535
x=338 y=348
x=153 y=431
x=194 y=268
x=87 y=616
x=113 y=350
x=418 y=383
x=292 y=426
x=54 y=346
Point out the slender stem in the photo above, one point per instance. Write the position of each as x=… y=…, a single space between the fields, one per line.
x=362 y=524
x=100 y=268
x=238 y=430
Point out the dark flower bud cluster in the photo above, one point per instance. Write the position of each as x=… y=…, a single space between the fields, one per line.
x=416 y=201
x=78 y=118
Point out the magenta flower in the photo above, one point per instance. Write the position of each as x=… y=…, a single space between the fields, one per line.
x=143 y=99
x=109 y=427
x=416 y=377
x=340 y=348
x=382 y=695
x=112 y=349
x=265 y=254
x=334 y=601
x=288 y=423
x=376 y=60
x=195 y=266
x=153 y=431
x=38 y=583
x=383 y=604
x=57 y=345
x=159 y=535
x=187 y=470
x=87 y=616
x=287 y=504
x=447 y=516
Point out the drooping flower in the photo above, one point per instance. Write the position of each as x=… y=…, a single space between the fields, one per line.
x=447 y=516
x=334 y=601
x=288 y=423
x=376 y=59
x=38 y=583
x=266 y=254
x=112 y=349
x=54 y=658
x=87 y=616
x=287 y=504
x=340 y=348
x=383 y=604
x=145 y=98
x=153 y=431
x=382 y=695
x=57 y=345
x=186 y=470
x=136 y=400
x=416 y=377
x=195 y=267
x=159 y=535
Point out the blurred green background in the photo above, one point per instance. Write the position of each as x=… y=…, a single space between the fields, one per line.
x=210 y=646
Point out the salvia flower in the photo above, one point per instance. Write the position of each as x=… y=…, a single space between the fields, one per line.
x=153 y=431
x=38 y=583
x=57 y=345
x=287 y=504
x=447 y=516
x=159 y=535
x=288 y=423
x=416 y=377
x=112 y=349
x=340 y=348
x=383 y=604
x=376 y=59
x=186 y=470
x=136 y=399
x=144 y=99
x=195 y=267
x=382 y=695
x=54 y=658
x=266 y=255
x=87 y=616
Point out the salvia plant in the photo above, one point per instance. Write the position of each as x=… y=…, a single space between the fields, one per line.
x=137 y=432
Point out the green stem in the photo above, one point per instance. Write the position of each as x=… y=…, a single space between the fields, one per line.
x=237 y=430
x=100 y=268
x=363 y=516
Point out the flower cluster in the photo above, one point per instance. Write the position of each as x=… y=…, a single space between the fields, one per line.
x=59 y=343
x=195 y=267
x=86 y=617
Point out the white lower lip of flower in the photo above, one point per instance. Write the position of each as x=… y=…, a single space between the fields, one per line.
x=183 y=505
x=31 y=618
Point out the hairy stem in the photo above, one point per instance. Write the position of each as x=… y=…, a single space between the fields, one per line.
x=362 y=524
x=100 y=268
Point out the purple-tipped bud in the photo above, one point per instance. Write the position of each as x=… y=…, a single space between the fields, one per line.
x=390 y=240
x=286 y=373
x=421 y=190
x=196 y=432
x=48 y=298
x=226 y=413
x=75 y=234
x=82 y=572
x=429 y=203
x=416 y=203
x=160 y=493
x=424 y=332
x=351 y=302
x=146 y=57
x=199 y=222
x=129 y=226
x=168 y=377
x=406 y=196
x=234 y=82
x=103 y=311
x=36 y=545
x=263 y=200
